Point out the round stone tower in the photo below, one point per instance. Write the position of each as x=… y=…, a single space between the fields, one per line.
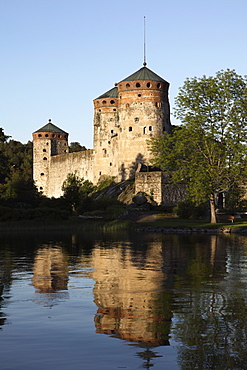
x=47 y=141
x=144 y=111
x=106 y=130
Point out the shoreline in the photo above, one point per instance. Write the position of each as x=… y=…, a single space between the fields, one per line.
x=190 y=230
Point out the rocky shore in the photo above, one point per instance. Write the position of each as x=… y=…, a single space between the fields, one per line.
x=179 y=230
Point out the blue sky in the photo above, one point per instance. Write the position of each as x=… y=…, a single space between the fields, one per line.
x=59 y=55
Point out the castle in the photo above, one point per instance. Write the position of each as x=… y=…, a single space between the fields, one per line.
x=125 y=117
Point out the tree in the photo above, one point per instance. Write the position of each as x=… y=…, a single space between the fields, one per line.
x=3 y=138
x=208 y=150
x=71 y=188
x=75 y=146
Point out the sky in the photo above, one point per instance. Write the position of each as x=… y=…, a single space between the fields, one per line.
x=59 y=55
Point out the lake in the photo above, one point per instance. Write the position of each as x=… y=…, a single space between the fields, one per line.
x=123 y=301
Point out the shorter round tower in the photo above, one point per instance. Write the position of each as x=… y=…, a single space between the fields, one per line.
x=47 y=142
x=106 y=130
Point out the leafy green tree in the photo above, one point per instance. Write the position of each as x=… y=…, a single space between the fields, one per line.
x=75 y=146
x=209 y=150
x=3 y=138
x=71 y=188
x=4 y=164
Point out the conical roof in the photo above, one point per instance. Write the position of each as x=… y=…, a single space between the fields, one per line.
x=50 y=127
x=113 y=93
x=143 y=74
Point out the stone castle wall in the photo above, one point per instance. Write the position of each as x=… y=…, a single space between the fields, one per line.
x=125 y=118
x=157 y=185
x=81 y=163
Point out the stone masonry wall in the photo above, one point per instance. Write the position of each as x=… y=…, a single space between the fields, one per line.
x=157 y=185
x=149 y=183
x=80 y=163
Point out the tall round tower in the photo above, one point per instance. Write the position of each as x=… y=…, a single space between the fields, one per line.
x=106 y=130
x=144 y=111
x=47 y=141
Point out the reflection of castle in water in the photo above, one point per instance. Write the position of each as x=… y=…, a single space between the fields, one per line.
x=127 y=292
x=50 y=270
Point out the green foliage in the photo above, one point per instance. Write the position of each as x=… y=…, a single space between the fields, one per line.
x=76 y=147
x=209 y=151
x=17 y=214
x=188 y=210
x=87 y=188
x=3 y=138
x=109 y=207
x=104 y=182
x=71 y=188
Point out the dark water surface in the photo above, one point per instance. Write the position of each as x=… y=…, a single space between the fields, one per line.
x=77 y=301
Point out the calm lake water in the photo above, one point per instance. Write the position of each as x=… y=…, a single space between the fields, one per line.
x=81 y=301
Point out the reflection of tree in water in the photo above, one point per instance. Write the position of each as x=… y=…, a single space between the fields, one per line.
x=2 y=316
x=147 y=356
x=211 y=322
x=6 y=266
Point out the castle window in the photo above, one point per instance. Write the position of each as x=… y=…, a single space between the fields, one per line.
x=44 y=159
x=99 y=110
x=53 y=135
x=130 y=128
x=46 y=135
x=104 y=151
x=44 y=150
x=138 y=85
x=144 y=129
x=40 y=188
x=136 y=119
x=99 y=173
x=104 y=102
x=65 y=151
x=150 y=128
x=109 y=142
x=149 y=84
x=139 y=95
x=127 y=85
x=114 y=110
x=158 y=104
x=158 y=85
x=39 y=135
x=58 y=136
x=110 y=164
x=47 y=143
x=112 y=101
x=112 y=131
x=42 y=174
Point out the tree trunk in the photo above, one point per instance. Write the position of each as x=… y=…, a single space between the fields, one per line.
x=212 y=209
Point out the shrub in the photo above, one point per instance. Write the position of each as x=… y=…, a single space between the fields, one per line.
x=187 y=209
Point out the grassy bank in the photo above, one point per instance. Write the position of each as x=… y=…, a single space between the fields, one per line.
x=135 y=221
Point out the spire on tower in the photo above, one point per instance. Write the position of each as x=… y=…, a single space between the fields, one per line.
x=144 y=62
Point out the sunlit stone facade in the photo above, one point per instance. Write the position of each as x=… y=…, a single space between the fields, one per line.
x=125 y=117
